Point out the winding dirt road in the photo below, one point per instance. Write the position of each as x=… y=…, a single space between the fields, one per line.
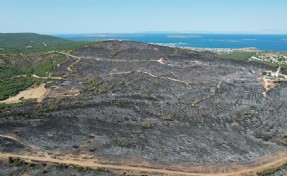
x=69 y=68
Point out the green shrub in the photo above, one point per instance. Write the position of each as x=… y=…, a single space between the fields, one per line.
x=93 y=84
x=124 y=142
x=272 y=171
x=99 y=169
x=146 y=125
x=167 y=117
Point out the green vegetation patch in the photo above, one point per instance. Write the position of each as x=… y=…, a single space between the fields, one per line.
x=24 y=54
x=48 y=66
x=179 y=51
x=246 y=55
x=4 y=107
x=238 y=55
x=9 y=72
x=272 y=171
x=53 y=104
x=31 y=41
x=13 y=86
x=93 y=84
x=13 y=80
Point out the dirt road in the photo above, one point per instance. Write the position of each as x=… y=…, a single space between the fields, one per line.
x=263 y=163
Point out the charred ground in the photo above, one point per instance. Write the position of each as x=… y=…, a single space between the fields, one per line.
x=144 y=105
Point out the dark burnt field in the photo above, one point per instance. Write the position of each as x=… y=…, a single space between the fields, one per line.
x=135 y=104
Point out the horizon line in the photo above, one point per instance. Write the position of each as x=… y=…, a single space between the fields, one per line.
x=168 y=32
x=152 y=32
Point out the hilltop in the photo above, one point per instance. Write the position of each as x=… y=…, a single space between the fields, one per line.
x=31 y=41
x=129 y=108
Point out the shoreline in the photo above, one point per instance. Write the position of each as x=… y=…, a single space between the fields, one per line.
x=224 y=50
x=215 y=50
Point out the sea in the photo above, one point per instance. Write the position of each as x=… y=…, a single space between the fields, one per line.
x=265 y=42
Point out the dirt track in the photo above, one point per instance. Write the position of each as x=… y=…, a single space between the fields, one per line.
x=268 y=162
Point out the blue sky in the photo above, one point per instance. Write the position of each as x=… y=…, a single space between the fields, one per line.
x=131 y=16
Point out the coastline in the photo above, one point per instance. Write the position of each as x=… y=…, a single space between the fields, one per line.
x=223 y=50
x=215 y=50
x=218 y=42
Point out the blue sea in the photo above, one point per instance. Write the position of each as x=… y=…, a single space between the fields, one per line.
x=262 y=42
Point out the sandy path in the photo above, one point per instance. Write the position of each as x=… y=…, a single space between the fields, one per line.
x=218 y=87
x=268 y=85
x=150 y=74
x=31 y=93
x=39 y=77
x=74 y=63
x=265 y=163
x=160 y=61
x=69 y=68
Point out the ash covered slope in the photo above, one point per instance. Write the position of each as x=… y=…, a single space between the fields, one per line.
x=141 y=103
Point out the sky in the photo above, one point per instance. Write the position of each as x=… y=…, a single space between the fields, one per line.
x=136 y=16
